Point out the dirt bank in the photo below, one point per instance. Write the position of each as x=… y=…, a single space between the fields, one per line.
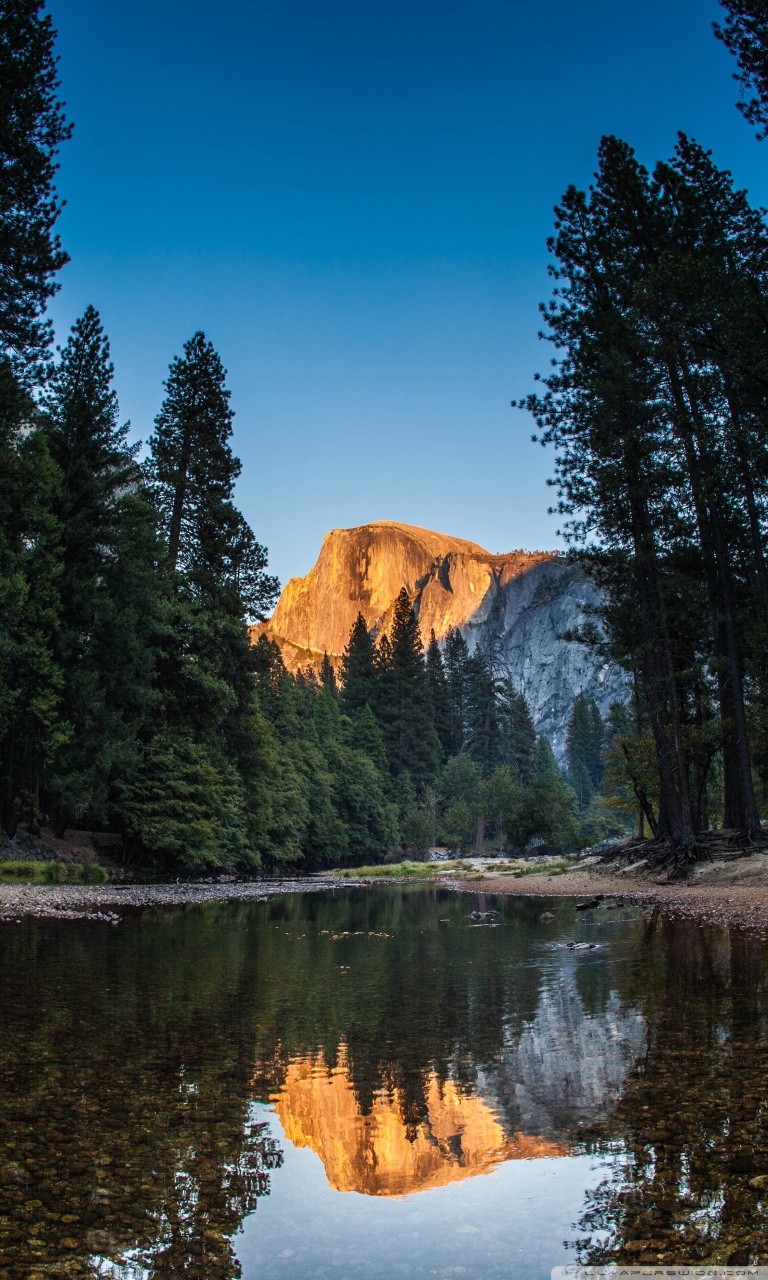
x=734 y=894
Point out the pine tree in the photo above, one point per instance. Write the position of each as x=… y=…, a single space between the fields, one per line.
x=32 y=726
x=194 y=468
x=217 y=569
x=108 y=588
x=328 y=677
x=597 y=745
x=365 y=735
x=481 y=711
x=580 y=747
x=604 y=410
x=544 y=759
x=409 y=733
x=745 y=34
x=194 y=472
x=518 y=736
x=358 y=670
x=96 y=464
x=456 y=658
x=384 y=705
x=32 y=128
x=438 y=689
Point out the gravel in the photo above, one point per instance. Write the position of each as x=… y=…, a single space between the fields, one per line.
x=99 y=902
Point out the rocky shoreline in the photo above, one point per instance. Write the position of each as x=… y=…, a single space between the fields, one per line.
x=738 y=900
x=103 y=902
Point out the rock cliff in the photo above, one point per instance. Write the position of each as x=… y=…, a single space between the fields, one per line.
x=525 y=600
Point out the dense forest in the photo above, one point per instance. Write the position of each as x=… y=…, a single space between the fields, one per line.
x=131 y=697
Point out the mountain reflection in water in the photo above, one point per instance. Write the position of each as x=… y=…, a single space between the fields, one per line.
x=458 y=1137
x=617 y=1097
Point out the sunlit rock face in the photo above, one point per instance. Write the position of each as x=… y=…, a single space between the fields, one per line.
x=375 y=1154
x=525 y=600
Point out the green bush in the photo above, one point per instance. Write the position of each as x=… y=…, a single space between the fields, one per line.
x=19 y=871
x=53 y=872
x=92 y=873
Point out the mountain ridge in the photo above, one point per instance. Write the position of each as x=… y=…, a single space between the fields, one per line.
x=524 y=601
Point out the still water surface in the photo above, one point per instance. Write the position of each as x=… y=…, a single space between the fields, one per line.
x=370 y=1083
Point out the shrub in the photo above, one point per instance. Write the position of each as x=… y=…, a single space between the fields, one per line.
x=14 y=871
x=53 y=872
x=92 y=873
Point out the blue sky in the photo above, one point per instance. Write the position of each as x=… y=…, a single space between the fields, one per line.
x=352 y=200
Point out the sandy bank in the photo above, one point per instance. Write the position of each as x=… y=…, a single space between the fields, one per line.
x=733 y=893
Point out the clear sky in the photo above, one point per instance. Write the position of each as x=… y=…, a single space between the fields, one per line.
x=351 y=198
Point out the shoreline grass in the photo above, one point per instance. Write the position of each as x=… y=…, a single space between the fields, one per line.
x=19 y=871
x=401 y=870
x=411 y=870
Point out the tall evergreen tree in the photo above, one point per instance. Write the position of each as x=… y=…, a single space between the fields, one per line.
x=518 y=736
x=358 y=670
x=639 y=464
x=194 y=473
x=438 y=690
x=544 y=758
x=208 y=664
x=32 y=726
x=481 y=710
x=384 y=705
x=584 y=748
x=32 y=128
x=365 y=735
x=407 y=723
x=108 y=589
x=328 y=676
x=193 y=466
x=97 y=465
x=456 y=658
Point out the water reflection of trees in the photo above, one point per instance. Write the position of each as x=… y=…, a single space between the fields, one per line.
x=434 y=995
x=124 y=1125
x=127 y=1066
x=127 y=1057
x=692 y=1185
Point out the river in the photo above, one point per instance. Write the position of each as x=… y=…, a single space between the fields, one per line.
x=382 y=1082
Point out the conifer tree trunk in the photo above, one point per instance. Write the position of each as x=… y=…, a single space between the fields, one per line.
x=739 y=805
x=756 y=535
x=675 y=820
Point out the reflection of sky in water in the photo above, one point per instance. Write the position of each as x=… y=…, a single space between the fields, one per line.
x=509 y=1225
